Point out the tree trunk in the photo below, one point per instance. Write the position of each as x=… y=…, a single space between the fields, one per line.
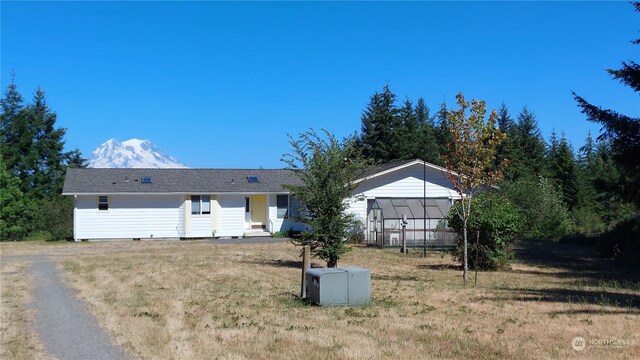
x=332 y=262
x=466 y=263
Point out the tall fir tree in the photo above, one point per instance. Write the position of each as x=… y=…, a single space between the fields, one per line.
x=407 y=133
x=442 y=132
x=378 y=140
x=508 y=149
x=34 y=158
x=528 y=160
x=562 y=169
x=622 y=131
x=428 y=147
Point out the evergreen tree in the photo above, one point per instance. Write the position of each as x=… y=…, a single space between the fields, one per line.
x=428 y=147
x=34 y=159
x=15 y=221
x=378 y=139
x=11 y=126
x=528 y=160
x=623 y=131
x=442 y=132
x=508 y=150
x=407 y=133
x=562 y=170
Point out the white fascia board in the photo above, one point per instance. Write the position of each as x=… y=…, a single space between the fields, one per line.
x=414 y=162
x=177 y=193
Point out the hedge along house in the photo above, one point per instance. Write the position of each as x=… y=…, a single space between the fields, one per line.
x=204 y=203
x=179 y=203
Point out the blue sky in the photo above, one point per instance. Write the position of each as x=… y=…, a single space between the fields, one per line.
x=221 y=84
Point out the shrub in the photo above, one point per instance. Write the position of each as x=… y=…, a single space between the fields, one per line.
x=543 y=214
x=498 y=221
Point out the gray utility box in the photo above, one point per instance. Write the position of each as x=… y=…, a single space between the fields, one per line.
x=342 y=286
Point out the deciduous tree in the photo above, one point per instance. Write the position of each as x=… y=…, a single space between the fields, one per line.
x=328 y=168
x=470 y=159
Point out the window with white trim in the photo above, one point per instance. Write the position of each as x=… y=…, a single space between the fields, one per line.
x=103 y=202
x=200 y=204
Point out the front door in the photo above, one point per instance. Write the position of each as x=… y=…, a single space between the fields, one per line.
x=258 y=208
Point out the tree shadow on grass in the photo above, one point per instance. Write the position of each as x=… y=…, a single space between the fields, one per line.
x=297 y=264
x=575 y=262
x=630 y=302
x=455 y=267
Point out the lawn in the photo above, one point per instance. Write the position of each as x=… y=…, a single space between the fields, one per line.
x=197 y=300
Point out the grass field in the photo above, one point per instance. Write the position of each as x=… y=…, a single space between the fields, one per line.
x=197 y=300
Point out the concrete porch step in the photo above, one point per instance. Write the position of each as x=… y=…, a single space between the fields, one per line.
x=256 y=233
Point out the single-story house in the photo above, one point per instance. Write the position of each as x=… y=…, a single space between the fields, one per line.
x=204 y=203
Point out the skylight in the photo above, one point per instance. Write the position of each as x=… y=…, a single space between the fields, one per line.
x=146 y=180
x=252 y=179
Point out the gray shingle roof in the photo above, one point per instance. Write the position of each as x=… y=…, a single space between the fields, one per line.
x=108 y=181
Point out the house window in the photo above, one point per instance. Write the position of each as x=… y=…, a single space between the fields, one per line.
x=103 y=202
x=283 y=206
x=288 y=207
x=294 y=208
x=246 y=205
x=200 y=204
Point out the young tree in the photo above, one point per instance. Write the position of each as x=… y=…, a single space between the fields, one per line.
x=470 y=159
x=328 y=169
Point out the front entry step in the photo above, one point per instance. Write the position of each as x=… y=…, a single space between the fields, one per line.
x=256 y=233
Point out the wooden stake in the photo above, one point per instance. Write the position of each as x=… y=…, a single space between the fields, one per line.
x=305 y=266
x=475 y=282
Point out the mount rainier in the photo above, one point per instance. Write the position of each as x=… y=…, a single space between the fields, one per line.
x=133 y=153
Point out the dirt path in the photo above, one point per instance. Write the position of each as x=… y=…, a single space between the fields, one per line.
x=64 y=326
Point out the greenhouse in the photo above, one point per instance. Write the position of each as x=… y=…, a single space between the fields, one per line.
x=424 y=219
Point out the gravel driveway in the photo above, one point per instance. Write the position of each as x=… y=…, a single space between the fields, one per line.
x=65 y=327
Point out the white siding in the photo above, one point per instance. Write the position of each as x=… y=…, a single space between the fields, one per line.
x=358 y=207
x=200 y=226
x=408 y=183
x=403 y=183
x=128 y=217
x=230 y=215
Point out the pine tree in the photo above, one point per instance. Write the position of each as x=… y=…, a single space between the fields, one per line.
x=623 y=131
x=442 y=132
x=34 y=158
x=528 y=159
x=378 y=139
x=508 y=150
x=15 y=221
x=562 y=169
x=11 y=126
x=428 y=147
x=407 y=133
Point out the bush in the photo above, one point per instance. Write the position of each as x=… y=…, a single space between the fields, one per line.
x=543 y=214
x=498 y=221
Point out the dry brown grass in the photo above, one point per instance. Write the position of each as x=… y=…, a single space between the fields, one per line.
x=199 y=301
x=17 y=337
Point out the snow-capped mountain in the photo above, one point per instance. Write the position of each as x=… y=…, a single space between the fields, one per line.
x=133 y=153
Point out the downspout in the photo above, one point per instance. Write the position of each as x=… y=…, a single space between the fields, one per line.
x=75 y=206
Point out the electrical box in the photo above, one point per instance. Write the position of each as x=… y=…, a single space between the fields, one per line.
x=343 y=286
